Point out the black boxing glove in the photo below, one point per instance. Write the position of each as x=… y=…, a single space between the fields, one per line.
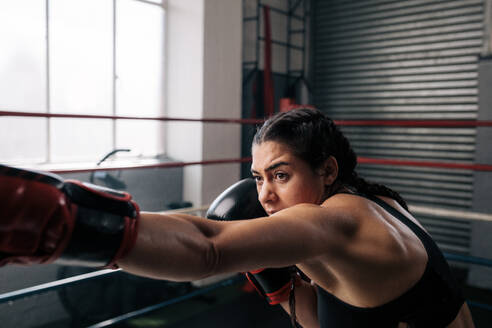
x=240 y=202
x=44 y=218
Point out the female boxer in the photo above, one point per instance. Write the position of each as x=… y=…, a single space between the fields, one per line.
x=365 y=261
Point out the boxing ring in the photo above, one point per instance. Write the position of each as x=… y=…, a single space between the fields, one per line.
x=450 y=214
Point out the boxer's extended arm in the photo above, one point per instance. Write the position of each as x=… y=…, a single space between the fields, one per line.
x=44 y=218
x=184 y=247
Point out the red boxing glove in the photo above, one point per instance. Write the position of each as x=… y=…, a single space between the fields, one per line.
x=274 y=284
x=44 y=218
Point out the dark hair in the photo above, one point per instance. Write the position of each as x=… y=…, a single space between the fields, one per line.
x=314 y=137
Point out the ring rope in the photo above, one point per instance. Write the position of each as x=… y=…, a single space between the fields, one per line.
x=415 y=123
x=468 y=259
x=42 y=288
x=400 y=123
x=450 y=214
x=146 y=118
x=444 y=165
x=361 y=160
x=158 y=165
x=487 y=307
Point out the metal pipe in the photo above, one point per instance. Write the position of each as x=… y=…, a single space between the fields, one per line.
x=149 y=2
x=251 y=18
x=114 y=80
x=48 y=83
x=284 y=44
x=294 y=7
x=287 y=51
x=304 y=37
x=283 y=12
x=257 y=43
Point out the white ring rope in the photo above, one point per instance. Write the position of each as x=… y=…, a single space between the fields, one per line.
x=450 y=214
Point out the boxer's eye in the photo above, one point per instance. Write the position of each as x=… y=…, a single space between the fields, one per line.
x=281 y=176
x=257 y=178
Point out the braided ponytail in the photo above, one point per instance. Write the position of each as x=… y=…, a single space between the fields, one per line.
x=370 y=188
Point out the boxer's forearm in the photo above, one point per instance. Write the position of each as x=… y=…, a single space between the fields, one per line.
x=172 y=247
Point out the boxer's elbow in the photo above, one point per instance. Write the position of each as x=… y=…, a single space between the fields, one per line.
x=211 y=260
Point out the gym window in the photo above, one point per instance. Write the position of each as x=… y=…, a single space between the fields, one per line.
x=90 y=57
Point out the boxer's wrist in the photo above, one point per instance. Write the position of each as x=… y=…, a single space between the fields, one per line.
x=105 y=229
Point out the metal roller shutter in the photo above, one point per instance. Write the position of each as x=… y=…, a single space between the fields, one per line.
x=414 y=59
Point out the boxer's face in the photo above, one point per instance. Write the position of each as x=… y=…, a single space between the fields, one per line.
x=283 y=179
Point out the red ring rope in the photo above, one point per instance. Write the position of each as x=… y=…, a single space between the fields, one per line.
x=406 y=123
x=361 y=160
x=158 y=165
x=444 y=165
x=414 y=123
x=113 y=117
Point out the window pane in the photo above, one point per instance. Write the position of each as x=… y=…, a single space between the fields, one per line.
x=142 y=137
x=81 y=43
x=80 y=139
x=23 y=139
x=139 y=58
x=22 y=55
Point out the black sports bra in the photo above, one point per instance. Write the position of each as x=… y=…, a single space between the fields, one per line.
x=434 y=301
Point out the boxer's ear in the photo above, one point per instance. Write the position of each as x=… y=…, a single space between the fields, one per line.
x=329 y=170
